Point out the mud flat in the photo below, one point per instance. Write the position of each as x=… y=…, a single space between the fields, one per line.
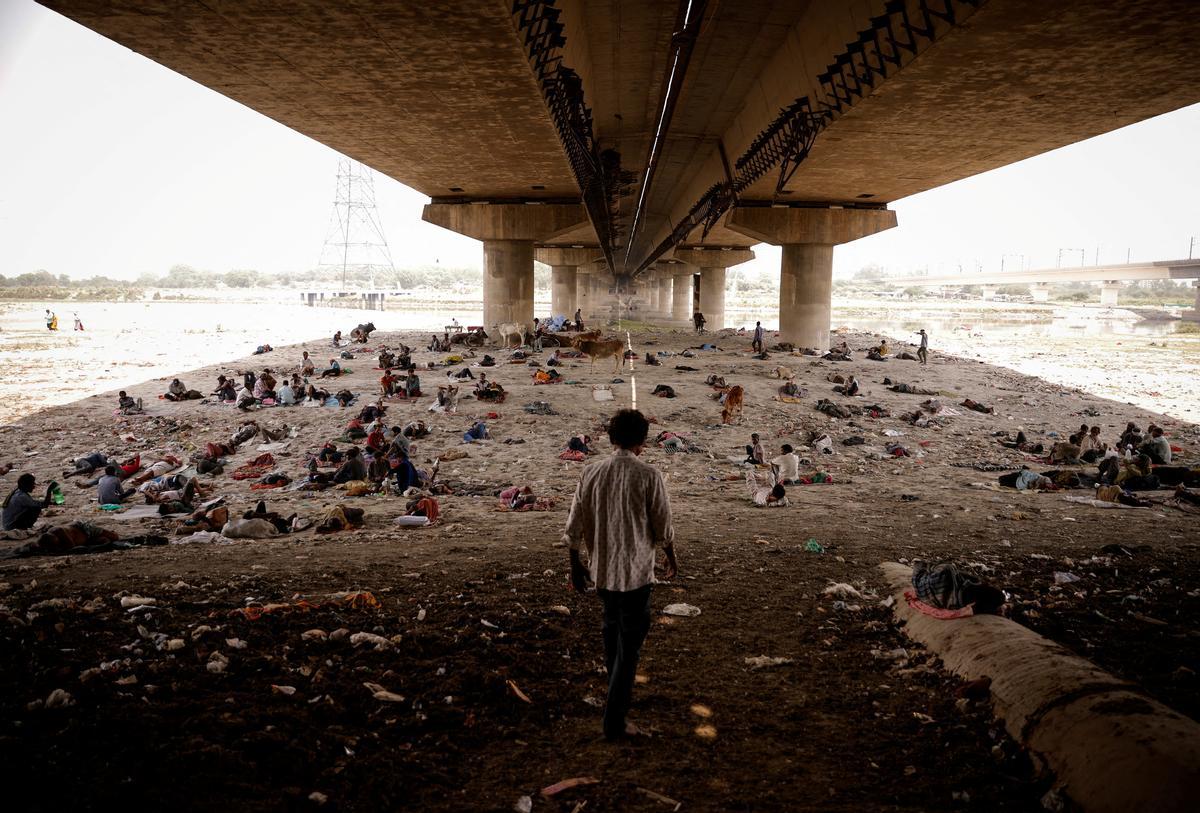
x=498 y=666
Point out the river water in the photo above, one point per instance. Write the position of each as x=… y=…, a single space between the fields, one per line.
x=1109 y=353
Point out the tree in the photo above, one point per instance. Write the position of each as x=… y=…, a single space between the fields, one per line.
x=914 y=292
x=869 y=272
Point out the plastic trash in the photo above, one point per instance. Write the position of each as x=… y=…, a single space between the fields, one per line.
x=684 y=610
x=56 y=494
x=1065 y=577
x=813 y=546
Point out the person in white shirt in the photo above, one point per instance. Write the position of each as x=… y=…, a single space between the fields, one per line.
x=286 y=395
x=766 y=495
x=787 y=466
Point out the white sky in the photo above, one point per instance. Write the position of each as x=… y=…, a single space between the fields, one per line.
x=111 y=164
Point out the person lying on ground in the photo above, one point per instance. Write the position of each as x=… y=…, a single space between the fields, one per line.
x=156 y=469
x=87 y=464
x=21 y=508
x=754 y=452
x=127 y=405
x=1157 y=448
x=517 y=497
x=911 y=389
x=850 y=388
x=284 y=525
x=477 y=432
x=766 y=493
x=333 y=370
x=307 y=367
x=945 y=587
x=415 y=430
x=786 y=467
x=263 y=348
x=581 y=443
x=318 y=395
x=791 y=389
x=125 y=469
x=978 y=407
x=344 y=398
x=372 y=412
x=174 y=488
x=352 y=469
x=1022 y=444
x=110 y=490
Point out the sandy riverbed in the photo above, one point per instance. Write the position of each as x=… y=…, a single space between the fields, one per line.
x=788 y=738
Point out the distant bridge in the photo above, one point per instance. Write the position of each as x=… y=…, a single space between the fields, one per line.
x=1039 y=280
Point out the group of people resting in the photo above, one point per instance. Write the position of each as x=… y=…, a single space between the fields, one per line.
x=406 y=386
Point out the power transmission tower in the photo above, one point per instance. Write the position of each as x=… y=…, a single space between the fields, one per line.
x=355 y=241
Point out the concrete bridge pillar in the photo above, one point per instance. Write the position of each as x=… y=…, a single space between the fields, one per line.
x=1040 y=291
x=564 y=272
x=713 y=265
x=1109 y=292
x=508 y=232
x=663 y=309
x=988 y=292
x=681 y=293
x=1194 y=314
x=807 y=236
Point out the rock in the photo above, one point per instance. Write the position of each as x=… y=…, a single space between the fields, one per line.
x=59 y=699
x=314 y=635
x=684 y=610
x=175 y=644
x=339 y=634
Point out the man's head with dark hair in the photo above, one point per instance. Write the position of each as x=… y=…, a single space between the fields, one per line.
x=628 y=429
x=987 y=600
x=754 y=437
x=1095 y=430
x=122 y=394
x=352 y=451
x=787 y=448
x=1158 y=432
x=778 y=491
x=26 y=482
x=110 y=470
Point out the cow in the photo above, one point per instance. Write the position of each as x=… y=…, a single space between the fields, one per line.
x=590 y=336
x=732 y=410
x=511 y=329
x=361 y=333
x=602 y=350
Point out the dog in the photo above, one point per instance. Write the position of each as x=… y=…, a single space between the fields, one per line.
x=732 y=410
x=602 y=350
x=784 y=373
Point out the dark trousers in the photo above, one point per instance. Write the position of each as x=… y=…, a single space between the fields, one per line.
x=626 y=622
x=923 y=355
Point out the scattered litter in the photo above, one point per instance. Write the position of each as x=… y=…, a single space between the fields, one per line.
x=567 y=784
x=516 y=690
x=813 y=546
x=763 y=661
x=380 y=693
x=685 y=610
x=842 y=590
x=1064 y=577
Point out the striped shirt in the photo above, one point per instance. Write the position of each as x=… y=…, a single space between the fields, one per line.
x=619 y=514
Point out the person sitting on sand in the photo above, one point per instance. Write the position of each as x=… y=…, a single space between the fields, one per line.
x=286 y=396
x=768 y=495
x=435 y=345
x=127 y=405
x=109 y=489
x=1131 y=437
x=405 y=473
x=517 y=497
x=387 y=383
x=1078 y=437
x=352 y=469
x=226 y=390
x=21 y=508
x=265 y=386
x=1157 y=447
x=412 y=383
x=850 y=388
x=1092 y=449
x=333 y=370
x=176 y=390
x=786 y=467
x=415 y=430
x=386 y=358
x=306 y=365
x=337 y=339
x=651 y=360
x=375 y=442
x=754 y=452
x=372 y=412
x=248 y=381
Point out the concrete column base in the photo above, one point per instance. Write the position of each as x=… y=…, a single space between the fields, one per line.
x=681 y=298
x=712 y=297
x=805 y=295
x=988 y=292
x=1194 y=314
x=563 y=290
x=507 y=282
x=1110 y=294
x=1041 y=293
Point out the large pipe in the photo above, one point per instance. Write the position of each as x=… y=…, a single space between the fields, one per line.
x=691 y=13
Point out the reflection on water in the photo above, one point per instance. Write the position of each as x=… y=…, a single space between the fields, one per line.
x=1108 y=352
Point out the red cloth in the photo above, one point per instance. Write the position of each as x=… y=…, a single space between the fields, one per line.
x=934 y=612
x=132 y=466
x=578 y=457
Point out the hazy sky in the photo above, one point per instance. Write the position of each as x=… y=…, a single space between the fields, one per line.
x=111 y=164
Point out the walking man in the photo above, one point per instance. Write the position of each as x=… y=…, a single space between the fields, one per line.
x=757 y=343
x=923 y=350
x=620 y=514
x=698 y=320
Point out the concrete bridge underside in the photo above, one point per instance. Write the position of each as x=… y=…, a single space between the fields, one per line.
x=651 y=131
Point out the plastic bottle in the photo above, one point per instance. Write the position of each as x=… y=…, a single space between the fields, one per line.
x=56 y=494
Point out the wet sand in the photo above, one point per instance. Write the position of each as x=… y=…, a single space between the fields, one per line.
x=480 y=600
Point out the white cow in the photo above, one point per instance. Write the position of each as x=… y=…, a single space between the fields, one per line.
x=511 y=329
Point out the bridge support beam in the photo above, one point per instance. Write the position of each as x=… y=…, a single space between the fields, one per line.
x=713 y=264
x=808 y=236
x=508 y=232
x=1040 y=291
x=1194 y=314
x=564 y=275
x=1109 y=293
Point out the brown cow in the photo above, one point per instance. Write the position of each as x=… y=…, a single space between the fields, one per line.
x=602 y=350
x=733 y=405
x=590 y=336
